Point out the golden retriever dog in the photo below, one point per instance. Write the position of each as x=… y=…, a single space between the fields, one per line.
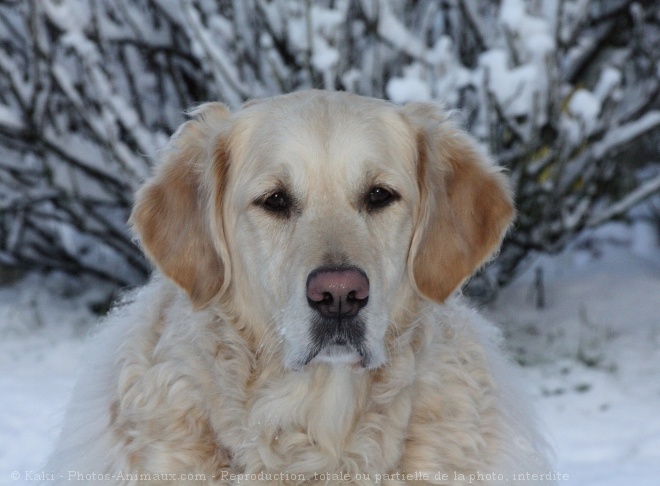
x=302 y=325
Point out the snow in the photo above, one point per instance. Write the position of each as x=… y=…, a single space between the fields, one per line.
x=23 y=90
x=328 y=21
x=409 y=87
x=42 y=324
x=69 y=15
x=513 y=88
x=592 y=357
x=594 y=354
x=325 y=57
x=645 y=189
x=225 y=74
x=395 y=32
x=517 y=73
x=585 y=106
x=625 y=133
x=9 y=118
x=609 y=81
x=532 y=35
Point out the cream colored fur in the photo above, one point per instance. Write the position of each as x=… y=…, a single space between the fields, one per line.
x=200 y=372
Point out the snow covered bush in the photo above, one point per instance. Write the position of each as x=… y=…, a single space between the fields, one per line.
x=564 y=93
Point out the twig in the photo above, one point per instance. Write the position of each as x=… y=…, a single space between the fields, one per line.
x=644 y=191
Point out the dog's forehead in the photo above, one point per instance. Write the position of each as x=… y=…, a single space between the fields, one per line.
x=335 y=133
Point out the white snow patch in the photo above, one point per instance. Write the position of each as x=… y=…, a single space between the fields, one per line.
x=585 y=107
x=595 y=355
x=42 y=324
x=10 y=118
x=513 y=88
x=70 y=15
x=325 y=57
x=409 y=87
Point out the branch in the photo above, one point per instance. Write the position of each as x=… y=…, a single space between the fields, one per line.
x=644 y=191
x=223 y=72
x=392 y=31
x=467 y=9
x=626 y=133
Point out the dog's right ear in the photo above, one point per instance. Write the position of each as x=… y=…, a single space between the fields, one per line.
x=177 y=212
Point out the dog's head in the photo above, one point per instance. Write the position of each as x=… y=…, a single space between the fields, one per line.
x=318 y=213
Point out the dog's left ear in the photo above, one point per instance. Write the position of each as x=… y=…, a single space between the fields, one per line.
x=465 y=205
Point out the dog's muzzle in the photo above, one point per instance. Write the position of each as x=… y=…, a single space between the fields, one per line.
x=337 y=294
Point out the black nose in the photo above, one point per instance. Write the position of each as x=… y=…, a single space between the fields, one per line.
x=337 y=292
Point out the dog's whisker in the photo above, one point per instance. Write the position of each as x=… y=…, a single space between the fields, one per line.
x=268 y=341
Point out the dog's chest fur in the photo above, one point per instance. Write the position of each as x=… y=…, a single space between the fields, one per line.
x=187 y=394
x=324 y=418
x=259 y=417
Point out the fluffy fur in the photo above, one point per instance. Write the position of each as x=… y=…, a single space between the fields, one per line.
x=201 y=377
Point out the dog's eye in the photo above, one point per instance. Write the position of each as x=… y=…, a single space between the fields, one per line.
x=379 y=197
x=278 y=202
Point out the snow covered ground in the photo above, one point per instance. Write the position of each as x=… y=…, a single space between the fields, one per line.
x=592 y=359
x=43 y=322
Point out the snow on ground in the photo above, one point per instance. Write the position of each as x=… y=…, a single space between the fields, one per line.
x=42 y=325
x=592 y=358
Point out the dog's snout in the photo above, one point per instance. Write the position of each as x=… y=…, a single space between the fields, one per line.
x=337 y=291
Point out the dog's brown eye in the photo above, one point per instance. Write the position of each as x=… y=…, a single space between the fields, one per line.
x=380 y=197
x=277 y=202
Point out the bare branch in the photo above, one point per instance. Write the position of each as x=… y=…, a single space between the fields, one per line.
x=645 y=190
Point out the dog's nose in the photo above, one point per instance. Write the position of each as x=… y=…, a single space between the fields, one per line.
x=337 y=291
